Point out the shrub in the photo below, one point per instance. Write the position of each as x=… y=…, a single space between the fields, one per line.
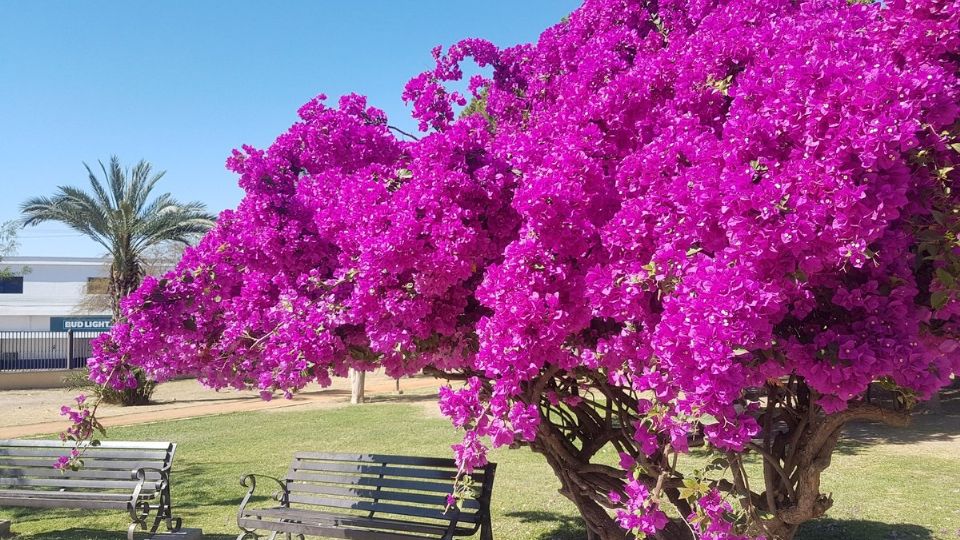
x=80 y=380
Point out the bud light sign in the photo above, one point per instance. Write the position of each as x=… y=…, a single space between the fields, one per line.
x=81 y=324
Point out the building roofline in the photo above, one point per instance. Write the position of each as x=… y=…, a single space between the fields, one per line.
x=39 y=261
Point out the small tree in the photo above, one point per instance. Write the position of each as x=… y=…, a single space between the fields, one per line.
x=120 y=215
x=712 y=225
x=8 y=243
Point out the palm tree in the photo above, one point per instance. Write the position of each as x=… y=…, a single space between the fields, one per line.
x=120 y=215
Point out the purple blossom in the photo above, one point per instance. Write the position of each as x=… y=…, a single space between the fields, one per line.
x=729 y=190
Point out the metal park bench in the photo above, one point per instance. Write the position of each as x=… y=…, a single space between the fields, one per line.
x=368 y=497
x=131 y=476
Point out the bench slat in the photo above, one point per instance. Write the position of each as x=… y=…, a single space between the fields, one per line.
x=70 y=483
x=376 y=458
x=133 y=445
x=88 y=463
x=37 y=494
x=436 y=513
x=50 y=472
x=55 y=452
x=324 y=524
x=396 y=472
x=63 y=503
x=438 y=487
x=329 y=531
x=438 y=500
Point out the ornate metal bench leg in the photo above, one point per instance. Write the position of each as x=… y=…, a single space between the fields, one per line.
x=248 y=535
x=138 y=517
x=165 y=514
x=157 y=520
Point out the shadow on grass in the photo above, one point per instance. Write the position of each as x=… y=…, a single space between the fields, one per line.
x=572 y=528
x=211 y=401
x=925 y=425
x=414 y=396
x=102 y=534
x=847 y=529
x=193 y=489
x=565 y=527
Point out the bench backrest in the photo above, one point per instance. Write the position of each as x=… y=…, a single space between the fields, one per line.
x=404 y=488
x=108 y=467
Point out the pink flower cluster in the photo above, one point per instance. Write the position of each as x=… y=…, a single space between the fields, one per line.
x=710 y=521
x=68 y=461
x=690 y=201
x=640 y=513
x=82 y=420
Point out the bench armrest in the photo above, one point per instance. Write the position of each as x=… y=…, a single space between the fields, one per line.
x=249 y=481
x=140 y=475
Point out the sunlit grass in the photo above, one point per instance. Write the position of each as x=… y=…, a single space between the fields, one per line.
x=888 y=490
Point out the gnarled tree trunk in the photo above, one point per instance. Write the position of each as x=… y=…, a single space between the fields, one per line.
x=796 y=445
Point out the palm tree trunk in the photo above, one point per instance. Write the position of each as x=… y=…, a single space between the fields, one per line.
x=124 y=279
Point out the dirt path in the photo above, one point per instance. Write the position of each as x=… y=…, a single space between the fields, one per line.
x=25 y=413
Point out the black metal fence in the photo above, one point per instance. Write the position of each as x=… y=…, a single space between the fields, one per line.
x=27 y=351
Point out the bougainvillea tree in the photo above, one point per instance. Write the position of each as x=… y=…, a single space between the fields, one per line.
x=674 y=224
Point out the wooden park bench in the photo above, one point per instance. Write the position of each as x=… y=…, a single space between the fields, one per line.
x=131 y=476
x=368 y=497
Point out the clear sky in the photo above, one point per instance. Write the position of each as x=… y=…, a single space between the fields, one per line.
x=181 y=83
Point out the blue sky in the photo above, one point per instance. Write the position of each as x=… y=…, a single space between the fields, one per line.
x=182 y=83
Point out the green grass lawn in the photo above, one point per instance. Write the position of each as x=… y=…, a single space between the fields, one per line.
x=884 y=489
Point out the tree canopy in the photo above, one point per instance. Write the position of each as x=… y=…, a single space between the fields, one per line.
x=685 y=222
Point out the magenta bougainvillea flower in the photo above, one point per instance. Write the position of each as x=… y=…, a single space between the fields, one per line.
x=687 y=197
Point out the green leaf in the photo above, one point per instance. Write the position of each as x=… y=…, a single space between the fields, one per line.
x=939 y=299
x=946 y=278
x=939 y=217
x=717 y=464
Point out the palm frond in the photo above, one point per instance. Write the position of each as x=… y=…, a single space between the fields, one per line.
x=166 y=220
x=118 y=213
x=117 y=181
x=97 y=187
x=67 y=210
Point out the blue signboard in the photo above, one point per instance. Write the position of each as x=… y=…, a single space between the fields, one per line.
x=81 y=323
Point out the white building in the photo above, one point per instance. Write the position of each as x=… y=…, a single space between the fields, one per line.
x=51 y=294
